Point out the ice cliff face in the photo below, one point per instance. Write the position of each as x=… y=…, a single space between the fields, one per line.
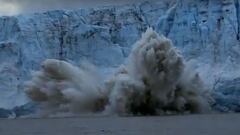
x=206 y=31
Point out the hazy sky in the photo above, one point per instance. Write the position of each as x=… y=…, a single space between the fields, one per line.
x=13 y=7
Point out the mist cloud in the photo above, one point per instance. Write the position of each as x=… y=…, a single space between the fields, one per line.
x=155 y=80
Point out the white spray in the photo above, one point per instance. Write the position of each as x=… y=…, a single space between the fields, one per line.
x=62 y=87
x=154 y=81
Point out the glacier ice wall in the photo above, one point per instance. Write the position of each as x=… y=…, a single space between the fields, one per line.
x=206 y=32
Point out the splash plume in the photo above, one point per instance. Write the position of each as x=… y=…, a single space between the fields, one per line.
x=62 y=87
x=154 y=81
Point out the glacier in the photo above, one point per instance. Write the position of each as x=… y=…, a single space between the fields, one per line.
x=207 y=33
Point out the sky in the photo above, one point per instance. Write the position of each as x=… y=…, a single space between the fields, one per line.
x=14 y=7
